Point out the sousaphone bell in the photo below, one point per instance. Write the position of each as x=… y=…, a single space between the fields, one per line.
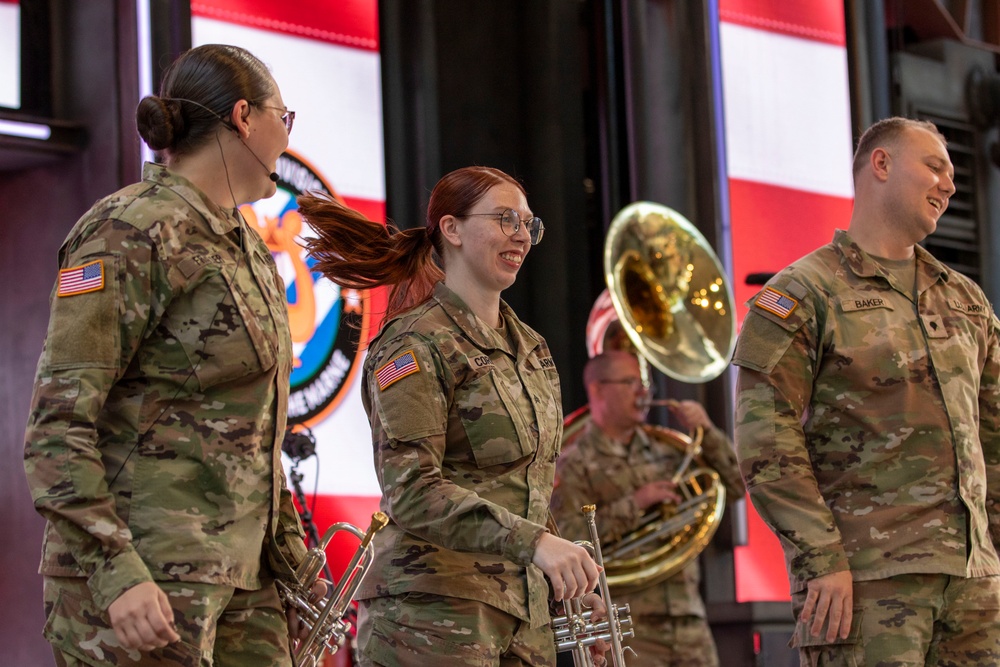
x=669 y=301
x=669 y=292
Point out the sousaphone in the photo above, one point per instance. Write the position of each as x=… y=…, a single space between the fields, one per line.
x=669 y=301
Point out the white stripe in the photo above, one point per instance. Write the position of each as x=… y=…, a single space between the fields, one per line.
x=343 y=451
x=787 y=111
x=336 y=93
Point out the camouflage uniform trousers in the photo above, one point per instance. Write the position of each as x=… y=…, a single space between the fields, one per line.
x=671 y=641
x=912 y=619
x=424 y=629
x=220 y=626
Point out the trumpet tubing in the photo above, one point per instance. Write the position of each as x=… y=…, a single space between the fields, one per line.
x=575 y=631
x=324 y=618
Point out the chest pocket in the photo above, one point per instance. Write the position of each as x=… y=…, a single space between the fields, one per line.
x=496 y=427
x=234 y=344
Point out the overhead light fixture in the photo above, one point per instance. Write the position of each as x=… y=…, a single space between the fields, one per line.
x=17 y=128
x=28 y=141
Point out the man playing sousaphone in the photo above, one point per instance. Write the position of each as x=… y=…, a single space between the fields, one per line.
x=616 y=465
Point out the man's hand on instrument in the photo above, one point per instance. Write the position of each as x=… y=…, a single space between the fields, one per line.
x=690 y=414
x=655 y=492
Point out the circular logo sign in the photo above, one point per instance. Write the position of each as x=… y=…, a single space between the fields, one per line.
x=326 y=321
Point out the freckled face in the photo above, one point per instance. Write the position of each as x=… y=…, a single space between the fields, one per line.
x=490 y=257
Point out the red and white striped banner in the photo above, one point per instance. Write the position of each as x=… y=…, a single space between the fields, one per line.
x=324 y=57
x=788 y=152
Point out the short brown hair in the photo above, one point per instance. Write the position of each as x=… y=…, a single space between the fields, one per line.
x=885 y=133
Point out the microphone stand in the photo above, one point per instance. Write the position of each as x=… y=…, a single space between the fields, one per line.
x=299 y=447
x=298 y=455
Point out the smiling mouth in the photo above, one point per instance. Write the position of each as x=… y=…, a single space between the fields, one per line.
x=513 y=258
x=936 y=203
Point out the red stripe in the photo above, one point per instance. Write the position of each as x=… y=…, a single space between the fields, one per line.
x=345 y=22
x=816 y=20
x=328 y=510
x=760 y=566
x=373 y=209
x=774 y=226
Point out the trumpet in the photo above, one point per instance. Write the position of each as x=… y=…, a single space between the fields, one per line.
x=325 y=618
x=574 y=631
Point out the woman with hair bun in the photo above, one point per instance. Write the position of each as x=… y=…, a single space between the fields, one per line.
x=466 y=417
x=159 y=406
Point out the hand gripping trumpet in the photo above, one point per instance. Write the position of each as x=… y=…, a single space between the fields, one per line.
x=325 y=618
x=574 y=630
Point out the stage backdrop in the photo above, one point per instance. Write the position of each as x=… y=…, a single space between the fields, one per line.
x=324 y=56
x=788 y=154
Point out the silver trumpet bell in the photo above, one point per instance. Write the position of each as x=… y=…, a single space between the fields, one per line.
x=325 y=617
x=574 y=631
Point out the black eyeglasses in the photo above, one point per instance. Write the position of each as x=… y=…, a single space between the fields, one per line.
x=287 y=117
x=510 y=223
x=635 y=384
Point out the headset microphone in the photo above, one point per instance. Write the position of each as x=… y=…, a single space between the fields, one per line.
x=270 y=174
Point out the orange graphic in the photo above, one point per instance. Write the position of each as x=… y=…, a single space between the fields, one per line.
x=280 y=235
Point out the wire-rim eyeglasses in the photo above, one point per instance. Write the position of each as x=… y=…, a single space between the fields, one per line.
x=287 y=117
x=510 y=223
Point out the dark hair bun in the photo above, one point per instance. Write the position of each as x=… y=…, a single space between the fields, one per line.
x=160 y=122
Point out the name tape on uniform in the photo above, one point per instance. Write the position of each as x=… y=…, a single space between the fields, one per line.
x=397 y=369
x=81 y=279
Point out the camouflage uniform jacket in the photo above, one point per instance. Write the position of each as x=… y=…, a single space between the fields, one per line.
x=867 y=421
x=466 y=435
x=595 y=469
x=159 y=397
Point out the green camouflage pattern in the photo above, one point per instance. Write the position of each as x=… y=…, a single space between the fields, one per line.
x=595 y=469
x=465 y=453
x=911 y=619
x=150 y=447
x=672 y=641
x=867 y=420
x=219 y=626
x=409 y=631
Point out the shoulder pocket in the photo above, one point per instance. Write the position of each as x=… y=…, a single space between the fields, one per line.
x=768 y=331
x=762 y=342
x=84 y=327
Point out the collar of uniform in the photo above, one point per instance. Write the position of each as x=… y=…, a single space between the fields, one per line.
x=864 y=266
x=604 y=444
x=475 y=328
x=222 y=221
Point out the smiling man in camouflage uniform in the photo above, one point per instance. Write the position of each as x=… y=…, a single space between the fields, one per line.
x=867 y=426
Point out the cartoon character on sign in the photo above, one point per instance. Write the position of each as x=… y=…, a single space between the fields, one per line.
x=326 y=322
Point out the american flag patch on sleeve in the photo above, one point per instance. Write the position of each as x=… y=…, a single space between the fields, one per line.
x=81 y=279
x=397 y=369
x=775 y=302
